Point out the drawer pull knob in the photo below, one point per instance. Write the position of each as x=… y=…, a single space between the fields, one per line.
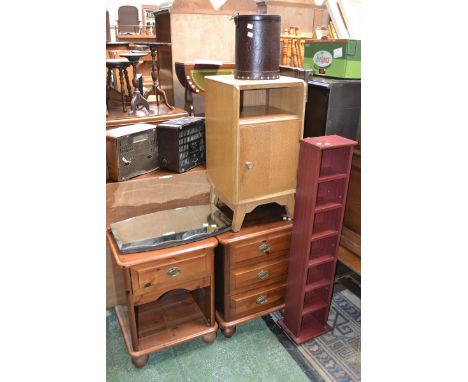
x=249 y=165
x=147 y=285
x=263 y=274
x=173 y=271
x=262 y=299
x=264 y=247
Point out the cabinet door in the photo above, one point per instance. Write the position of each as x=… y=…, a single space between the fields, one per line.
x=268 y=158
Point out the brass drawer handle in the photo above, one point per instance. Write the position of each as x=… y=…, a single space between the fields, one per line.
x=262 y=299
x=263 y=274
x=264 y=247
x=173 y=271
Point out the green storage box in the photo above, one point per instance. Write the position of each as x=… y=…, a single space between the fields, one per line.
x=338 y=58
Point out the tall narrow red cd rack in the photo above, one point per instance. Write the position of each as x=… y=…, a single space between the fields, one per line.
x=322 y=185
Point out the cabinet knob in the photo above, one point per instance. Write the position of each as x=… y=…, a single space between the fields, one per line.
x=249 y=165
x=264 y=247
x=147 y=285
x=262 y=299
x=263 y=274
x=173 y=271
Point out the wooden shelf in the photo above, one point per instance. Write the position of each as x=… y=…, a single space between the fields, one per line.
x=320 y=260
x=327 y=206
x=330 y=177
x=174 y=318
x=262 y=114
x=323 y=234
x=316 y=304
x=317 y=284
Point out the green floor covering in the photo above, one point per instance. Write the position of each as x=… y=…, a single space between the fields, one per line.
x=252 y=354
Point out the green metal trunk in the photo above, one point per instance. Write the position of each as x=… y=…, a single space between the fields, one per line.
x=334 y=57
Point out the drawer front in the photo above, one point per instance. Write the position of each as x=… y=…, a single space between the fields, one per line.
x=259 y=275
x=262 y=248
x=257 y=300
x=170 y=271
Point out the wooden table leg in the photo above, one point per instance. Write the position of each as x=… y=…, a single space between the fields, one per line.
x=108 y=86
x=122 y=89
x=127 y=80
x=188 y=100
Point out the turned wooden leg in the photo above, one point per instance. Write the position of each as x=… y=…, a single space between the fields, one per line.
x=122 y=89
x=108 y=86
x=290 y=206
x=209 y=338
x=140 y=361
x=127 y=81
x=228 y=332
x=238 y=219
x=189 y=100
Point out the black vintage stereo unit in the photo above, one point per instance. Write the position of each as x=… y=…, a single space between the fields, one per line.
x=131 y=151
x=181 y=143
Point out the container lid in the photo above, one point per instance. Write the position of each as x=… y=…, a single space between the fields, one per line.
x=129 y=129
x=182 y=122
x=259 y=17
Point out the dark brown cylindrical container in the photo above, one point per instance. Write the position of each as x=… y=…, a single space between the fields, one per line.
x=257 y=47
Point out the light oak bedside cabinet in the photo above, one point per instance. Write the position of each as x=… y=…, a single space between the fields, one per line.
x=252 y=132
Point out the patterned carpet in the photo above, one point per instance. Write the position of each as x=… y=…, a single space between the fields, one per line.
x=334 y=356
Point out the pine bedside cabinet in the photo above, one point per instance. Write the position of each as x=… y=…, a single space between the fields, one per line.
x=170 y=297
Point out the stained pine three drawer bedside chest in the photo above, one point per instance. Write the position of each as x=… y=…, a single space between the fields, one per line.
x=252 y=268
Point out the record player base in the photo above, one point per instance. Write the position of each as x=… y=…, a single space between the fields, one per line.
x=228 y=328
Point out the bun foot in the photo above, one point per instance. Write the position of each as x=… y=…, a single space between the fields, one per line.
x=140 y=361
x=228 y=332
x=209 y=338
